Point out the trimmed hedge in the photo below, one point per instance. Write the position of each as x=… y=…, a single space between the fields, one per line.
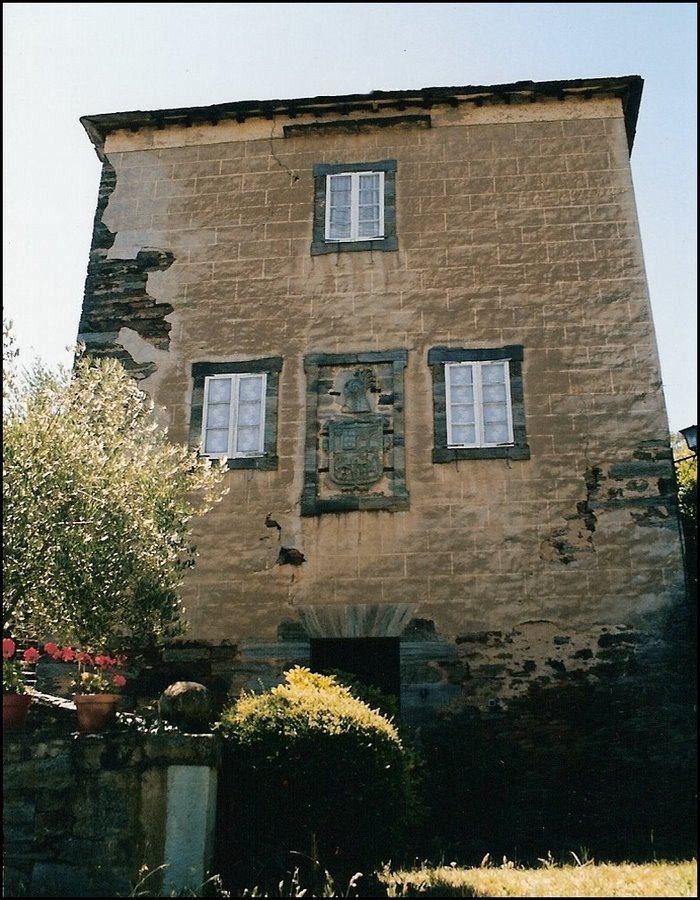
x=314 y=779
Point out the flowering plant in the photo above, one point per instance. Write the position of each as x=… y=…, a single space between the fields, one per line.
x=13 y=667
x=95 y=674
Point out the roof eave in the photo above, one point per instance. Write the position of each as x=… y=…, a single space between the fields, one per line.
x=627 y=88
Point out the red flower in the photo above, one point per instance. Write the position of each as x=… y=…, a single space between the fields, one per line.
x=13 y=668
x=93 y=674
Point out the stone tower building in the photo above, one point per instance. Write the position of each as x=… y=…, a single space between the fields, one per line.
x=416 y=325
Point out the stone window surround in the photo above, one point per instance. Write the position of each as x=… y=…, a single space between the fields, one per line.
x=272 y=367
x=311 y=504
x=319 y=244
x=437 y=358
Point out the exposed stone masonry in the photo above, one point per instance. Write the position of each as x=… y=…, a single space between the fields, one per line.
x=116 y=293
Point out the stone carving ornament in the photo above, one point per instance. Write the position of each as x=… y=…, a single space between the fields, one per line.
x=355 y=452
x=355 y=432
x=355 y=391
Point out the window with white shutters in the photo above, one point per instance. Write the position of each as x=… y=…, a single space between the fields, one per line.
x=234 y=411
x=478 y=403
x=234 y=415
x=354 y=207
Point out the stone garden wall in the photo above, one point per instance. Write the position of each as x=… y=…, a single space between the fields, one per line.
x=94 y=815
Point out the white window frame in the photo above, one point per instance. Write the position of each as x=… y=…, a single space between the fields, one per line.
x=477 y=368
x=235 y=379
x=355 y=179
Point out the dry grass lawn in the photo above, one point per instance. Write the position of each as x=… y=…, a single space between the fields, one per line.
x=657 y=879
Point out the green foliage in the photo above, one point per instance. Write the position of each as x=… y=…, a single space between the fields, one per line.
x=687 y=492
x=687 y=474
x=321 y=780
x=96 y=508
x=375 y=698
x=14 y=667
x=13 y=678
x=9 y=356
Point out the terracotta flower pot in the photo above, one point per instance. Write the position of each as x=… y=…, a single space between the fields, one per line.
x=96 y=712
x=14 y=710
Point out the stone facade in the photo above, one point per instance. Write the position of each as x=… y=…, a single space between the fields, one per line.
x=513 y=225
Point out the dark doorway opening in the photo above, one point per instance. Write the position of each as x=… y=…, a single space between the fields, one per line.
x=373 y=661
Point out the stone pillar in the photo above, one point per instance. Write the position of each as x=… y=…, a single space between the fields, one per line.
x=189 y=828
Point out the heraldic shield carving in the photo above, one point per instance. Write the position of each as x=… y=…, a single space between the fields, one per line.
x=355 y=452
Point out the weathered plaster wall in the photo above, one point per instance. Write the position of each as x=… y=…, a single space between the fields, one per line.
x=516 y=225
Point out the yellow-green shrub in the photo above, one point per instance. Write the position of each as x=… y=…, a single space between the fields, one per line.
x=314 y=776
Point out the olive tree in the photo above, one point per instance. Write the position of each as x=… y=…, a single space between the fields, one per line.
x=97 y=506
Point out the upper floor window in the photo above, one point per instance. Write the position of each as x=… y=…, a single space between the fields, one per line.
x=355 y=207
x=478 y=403
x=234 y=412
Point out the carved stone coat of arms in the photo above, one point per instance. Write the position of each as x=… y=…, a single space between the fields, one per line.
x=355 y=452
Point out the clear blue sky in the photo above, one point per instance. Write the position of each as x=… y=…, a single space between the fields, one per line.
x=65 y=60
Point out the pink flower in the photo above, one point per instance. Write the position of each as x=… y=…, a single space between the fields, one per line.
x=31 y=655
x=8 y=648
x=83 y=657
x=119 y=680
x=67 y=654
